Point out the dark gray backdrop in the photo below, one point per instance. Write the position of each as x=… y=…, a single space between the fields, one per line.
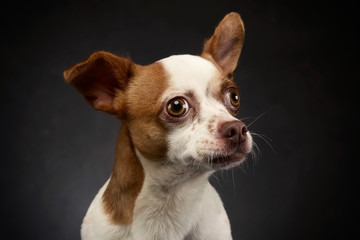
x=297 y=68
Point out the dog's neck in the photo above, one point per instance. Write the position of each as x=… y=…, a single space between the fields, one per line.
x=170 y=193
x=169 y=177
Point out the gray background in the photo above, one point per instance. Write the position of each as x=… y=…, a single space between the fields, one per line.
x=297 y=67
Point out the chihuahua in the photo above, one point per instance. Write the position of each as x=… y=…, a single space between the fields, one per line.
x=178 y=127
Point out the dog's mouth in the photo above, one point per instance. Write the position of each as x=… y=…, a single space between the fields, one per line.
x=227 y=161
x=223 y=155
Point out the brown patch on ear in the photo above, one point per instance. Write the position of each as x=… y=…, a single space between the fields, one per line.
x=100 y=79
x=125 y=183
x=224 y=47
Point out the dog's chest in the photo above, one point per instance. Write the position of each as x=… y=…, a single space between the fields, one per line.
x=160 y=211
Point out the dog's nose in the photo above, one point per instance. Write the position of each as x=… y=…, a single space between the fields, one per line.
x=234 y=131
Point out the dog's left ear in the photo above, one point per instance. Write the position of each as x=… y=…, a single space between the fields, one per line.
x=102 y=79
x=224 y=47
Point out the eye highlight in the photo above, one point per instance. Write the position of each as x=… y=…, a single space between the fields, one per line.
x=232 y=98
x=177 y=107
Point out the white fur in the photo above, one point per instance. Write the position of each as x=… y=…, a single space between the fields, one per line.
x=176 y=201
x=170 y=206
x=179 y=199
x=189 y=72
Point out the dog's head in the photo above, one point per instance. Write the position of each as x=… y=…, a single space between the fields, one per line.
x=180 y=109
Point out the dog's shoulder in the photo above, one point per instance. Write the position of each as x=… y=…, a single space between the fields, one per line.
x=97 y=224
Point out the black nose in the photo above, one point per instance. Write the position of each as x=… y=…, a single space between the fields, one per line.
x=234 y=131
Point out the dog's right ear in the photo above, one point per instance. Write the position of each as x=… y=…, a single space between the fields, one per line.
x=224 y=47
x=101 y=79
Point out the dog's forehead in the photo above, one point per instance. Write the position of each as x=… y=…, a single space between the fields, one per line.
x=189 y=72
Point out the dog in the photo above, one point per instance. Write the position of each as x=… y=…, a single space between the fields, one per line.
x=179 y=126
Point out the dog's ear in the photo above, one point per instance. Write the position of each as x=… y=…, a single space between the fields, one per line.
x=224 y=47
x=100 y=79
x=126 y=181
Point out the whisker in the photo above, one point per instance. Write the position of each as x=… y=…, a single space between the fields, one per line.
x=233 y=180
x=241 y=166
x=263 y=135
x=245 y=118
x=214 y=176
x=256 y=119
x=266 y=139
x=255 y=151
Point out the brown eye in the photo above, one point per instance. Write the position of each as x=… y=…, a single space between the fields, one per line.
x=177 y=107
x=233 y=97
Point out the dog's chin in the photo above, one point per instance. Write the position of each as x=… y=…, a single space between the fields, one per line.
x=225 y=161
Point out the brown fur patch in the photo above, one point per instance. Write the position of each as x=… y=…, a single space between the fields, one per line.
x=125 y=183
x=142 y=129
x=132 y=92
x=211 y=126
x=144 y=106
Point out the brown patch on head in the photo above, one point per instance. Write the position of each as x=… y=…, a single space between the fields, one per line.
x=144 y=106
x=125 y=183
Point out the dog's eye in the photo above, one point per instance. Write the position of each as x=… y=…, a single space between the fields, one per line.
x=177 y=107
x=233 y=98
